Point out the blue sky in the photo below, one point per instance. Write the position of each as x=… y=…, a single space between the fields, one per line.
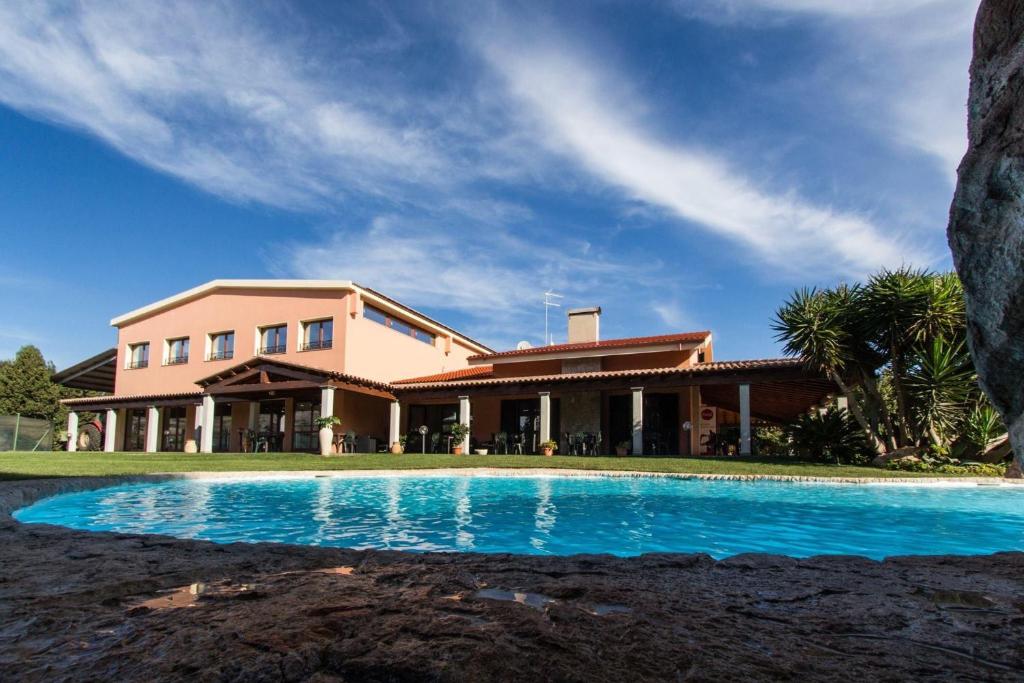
x=684 y=164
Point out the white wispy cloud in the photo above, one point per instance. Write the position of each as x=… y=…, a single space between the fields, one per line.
x=584 y=112
x=901 y=64
x=206 y=93
x=493 y=276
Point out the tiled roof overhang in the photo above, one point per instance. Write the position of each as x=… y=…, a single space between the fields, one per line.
x=96 y=403
x=627 y=342
x=780 y=388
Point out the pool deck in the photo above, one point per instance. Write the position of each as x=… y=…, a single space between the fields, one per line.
x=84 y=606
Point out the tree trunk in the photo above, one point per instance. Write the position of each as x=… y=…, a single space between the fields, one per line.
x=871 y=387
x=901 y=399
x=858 y=414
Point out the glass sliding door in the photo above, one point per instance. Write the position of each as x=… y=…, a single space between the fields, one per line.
x=305 y=435
x=135 y=429
x=173 y=435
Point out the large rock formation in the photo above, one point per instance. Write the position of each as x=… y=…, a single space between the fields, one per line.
x=986 y=227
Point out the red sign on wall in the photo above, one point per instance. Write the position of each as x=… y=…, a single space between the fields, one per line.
x=707 y=414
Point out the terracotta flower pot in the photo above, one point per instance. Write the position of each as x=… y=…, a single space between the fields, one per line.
x=190 y=446
x=456 y=450
x=396 y=448
x=326 y=439
x=548 y=451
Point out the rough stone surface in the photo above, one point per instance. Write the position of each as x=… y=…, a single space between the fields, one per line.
x=986 y=228
x=105 y=606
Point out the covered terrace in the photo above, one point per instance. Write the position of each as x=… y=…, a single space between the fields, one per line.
x=659 y=411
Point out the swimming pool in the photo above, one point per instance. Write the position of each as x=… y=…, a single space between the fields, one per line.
x=558 y=515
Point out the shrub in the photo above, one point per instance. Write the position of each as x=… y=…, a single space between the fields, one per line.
x=830 y=436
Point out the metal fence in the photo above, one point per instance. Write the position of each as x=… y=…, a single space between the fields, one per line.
x=19 y=433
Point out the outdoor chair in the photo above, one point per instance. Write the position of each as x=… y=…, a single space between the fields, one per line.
x=435 y=442
x=501 y=443
x=350 y=442
x=517 y=443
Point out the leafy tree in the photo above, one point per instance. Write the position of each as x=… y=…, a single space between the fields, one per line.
x=26 y=386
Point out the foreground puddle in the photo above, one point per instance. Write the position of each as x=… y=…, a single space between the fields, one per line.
x=539 y=601
x=193 y=594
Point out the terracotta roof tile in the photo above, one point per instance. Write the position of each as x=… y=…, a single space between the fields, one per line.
x=683 y=337
x=475 y=372
x=699 y=369
x=131 y=397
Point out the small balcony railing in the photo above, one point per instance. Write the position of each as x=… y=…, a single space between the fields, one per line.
x=176 y=360
x=221 y=355
x=317 y=344
x=269 y=350
x=138 y=364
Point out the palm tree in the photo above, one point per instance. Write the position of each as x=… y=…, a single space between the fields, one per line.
x=818 y=326
x=940 y=388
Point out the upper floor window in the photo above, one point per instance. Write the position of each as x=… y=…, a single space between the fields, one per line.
x=318 y=334
x=177 y=351
x=379 y=316
x=138 y=356
x=222 y=346
x=273 y=339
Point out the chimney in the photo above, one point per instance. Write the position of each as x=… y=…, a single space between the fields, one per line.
x=584 y=324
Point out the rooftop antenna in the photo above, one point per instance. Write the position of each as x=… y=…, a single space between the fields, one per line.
x=549 y=298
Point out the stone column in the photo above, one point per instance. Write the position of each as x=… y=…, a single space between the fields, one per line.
x=545 y=416
x=744 y=419
x=395 y=423
x=206 y=430
x=110 y=431
x=152 y=429
x=464 y=418
x=72 y=431
x=638 y=421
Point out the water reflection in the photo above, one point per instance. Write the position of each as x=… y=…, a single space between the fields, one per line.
x=463 y=515
x=543 y=517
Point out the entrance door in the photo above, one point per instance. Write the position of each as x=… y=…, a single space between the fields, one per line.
x=305 y=435
x=135 y=429
x=661 y=422
x=173 y=436
x=271 y=424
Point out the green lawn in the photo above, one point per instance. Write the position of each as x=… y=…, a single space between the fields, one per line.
x=62 y=464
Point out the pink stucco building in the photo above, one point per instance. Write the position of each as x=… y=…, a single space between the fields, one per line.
x=235 y=364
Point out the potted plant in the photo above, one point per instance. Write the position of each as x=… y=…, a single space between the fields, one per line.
x=326 y=425
x=622 y=448
x=459 y=432
x=398 y=447
x=548 y=448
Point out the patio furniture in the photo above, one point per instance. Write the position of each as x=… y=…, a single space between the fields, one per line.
x=350 y=442
x=517 y=443
x=435 y=442
x=501 y=443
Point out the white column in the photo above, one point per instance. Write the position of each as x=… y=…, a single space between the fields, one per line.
x=326 y=401
x=152 y=429
x=110 y=432
x=464 y=419
x=206 y=430
x=72 y=431
x=744 y=419
x=395 y=423
x=638 y=421
x=545 y=416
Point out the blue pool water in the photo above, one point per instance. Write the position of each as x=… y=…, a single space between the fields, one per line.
x=558 y=515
